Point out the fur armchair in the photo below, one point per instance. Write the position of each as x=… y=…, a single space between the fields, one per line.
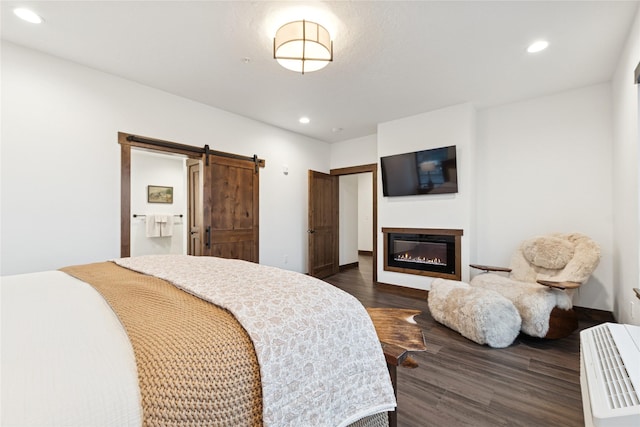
x=542 y=277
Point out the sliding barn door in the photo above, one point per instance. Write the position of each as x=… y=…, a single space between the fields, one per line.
x=323 y=224
x=230 y=206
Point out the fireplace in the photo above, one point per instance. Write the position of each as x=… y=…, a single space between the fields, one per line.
x=426 y=252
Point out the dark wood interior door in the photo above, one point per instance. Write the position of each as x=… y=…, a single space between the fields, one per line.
x=323 y=224
x=230 y=206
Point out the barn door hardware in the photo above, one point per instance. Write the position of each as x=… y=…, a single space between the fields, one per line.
x=206 y=154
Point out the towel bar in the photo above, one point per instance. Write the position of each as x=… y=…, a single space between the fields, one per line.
x=142 y=216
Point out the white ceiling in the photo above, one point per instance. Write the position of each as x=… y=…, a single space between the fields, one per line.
x=391 y=59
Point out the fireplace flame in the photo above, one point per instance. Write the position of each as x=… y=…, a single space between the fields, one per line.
x=419 y=260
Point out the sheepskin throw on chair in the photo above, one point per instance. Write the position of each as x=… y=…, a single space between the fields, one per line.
x=544 y=273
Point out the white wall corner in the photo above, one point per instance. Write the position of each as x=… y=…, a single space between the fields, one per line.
x=626 y=177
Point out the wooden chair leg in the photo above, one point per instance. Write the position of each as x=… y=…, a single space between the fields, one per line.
x=393 y=373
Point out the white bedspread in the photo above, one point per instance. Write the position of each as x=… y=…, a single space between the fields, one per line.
x=66 y=360
x=320 y=359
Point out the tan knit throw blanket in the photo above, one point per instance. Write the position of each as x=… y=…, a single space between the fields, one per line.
x=321 y=363
x=196 y=364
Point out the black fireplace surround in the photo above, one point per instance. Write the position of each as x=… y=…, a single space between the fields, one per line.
x=428 y=252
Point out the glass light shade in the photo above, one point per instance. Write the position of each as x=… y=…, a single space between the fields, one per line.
x=303 y=46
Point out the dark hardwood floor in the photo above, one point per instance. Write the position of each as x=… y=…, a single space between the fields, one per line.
x=533 y=382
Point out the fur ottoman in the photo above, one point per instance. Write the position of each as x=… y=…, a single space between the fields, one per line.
x=482 y=315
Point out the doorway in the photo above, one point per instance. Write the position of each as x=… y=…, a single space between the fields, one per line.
x=355 y=219
x=227 y=217
x=158 y=224
x=319 y=259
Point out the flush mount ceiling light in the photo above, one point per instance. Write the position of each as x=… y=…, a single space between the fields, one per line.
x=27 y=15
x=538 y=46
x=303 y=46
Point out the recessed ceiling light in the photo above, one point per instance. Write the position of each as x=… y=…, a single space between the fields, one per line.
x=304 y=120
x=28 y=15
x=537 y=46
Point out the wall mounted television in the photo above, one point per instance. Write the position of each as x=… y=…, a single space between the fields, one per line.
x=431 y=171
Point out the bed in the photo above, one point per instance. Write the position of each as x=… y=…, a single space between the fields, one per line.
x=180 y=340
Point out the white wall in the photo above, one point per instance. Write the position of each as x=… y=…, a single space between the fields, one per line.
x=365 y=212
x=354 y=152
x=449 y=126
x=626 y=213
x=148 y=168
x=544 y=165
x=60 y=162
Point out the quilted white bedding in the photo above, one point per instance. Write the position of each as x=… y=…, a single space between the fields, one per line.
x=66 y=360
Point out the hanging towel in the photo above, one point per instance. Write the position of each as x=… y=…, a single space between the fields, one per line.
x=166 y=226
x=152 y=227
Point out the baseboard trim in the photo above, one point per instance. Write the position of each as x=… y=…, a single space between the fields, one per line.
x=349 y=266
x=402 y=290
x=585 y=313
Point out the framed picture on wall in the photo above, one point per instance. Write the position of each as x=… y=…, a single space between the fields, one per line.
x=159 y=194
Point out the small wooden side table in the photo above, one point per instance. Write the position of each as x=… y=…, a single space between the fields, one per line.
x=399 y=334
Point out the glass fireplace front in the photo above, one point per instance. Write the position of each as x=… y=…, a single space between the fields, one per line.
x=423 y=252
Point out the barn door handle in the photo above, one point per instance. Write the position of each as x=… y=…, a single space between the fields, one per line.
x=208 y=241
x=311 y=231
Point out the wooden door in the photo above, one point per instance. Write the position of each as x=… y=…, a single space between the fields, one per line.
x=323 y=224
x=194 y=222
x=230 y=220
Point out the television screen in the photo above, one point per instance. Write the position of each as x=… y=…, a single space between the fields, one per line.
x=422 y=172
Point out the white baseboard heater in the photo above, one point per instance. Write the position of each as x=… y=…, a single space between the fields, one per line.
x=610 y=375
